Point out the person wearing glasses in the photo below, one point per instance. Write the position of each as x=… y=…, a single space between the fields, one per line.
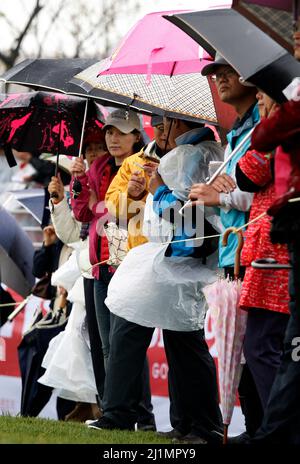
x=234 y=204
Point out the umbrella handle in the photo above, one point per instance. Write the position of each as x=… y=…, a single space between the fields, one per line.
x=237 y=258
x=18 y=309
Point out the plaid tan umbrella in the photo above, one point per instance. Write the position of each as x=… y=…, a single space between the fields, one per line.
x=182 y=95
x=275 y=17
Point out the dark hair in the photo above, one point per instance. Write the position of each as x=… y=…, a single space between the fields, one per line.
x=190 y=124
x=85 y=145
x=137 y=146
x=193 y=124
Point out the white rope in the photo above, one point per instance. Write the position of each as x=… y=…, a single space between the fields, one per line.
x=196 y=238
x=191 y=239
x=251 y=222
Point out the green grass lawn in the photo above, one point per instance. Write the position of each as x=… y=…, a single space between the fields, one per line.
x=28 y=430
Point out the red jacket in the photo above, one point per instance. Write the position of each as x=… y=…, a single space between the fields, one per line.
x=282 y=130
x=97 y=178
x=266 y=289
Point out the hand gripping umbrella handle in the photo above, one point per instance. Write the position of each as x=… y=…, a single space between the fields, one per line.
x=77 y=187
x=238 y=250
x=223 y=165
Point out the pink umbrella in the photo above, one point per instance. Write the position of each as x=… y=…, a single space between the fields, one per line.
x=229 y=326
x=152 y=46
x=156 y=68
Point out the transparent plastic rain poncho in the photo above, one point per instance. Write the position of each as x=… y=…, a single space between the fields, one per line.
x=151 y=289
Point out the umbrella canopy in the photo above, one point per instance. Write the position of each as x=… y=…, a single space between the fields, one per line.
x=164 y=95
x=153 y=46
x=12 y=276
x=16 y=256
x=41 y=121
x=271 y=67
x=49 y=74
x=33 y=201
x=64 y=163
x=187 y=95
x=157 y=73
x=274 y=17
x=52 y=75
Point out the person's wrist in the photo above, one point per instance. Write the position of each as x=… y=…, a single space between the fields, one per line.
x=55 y=200
x=224 y=199
x=137 y=197
x=79 y=173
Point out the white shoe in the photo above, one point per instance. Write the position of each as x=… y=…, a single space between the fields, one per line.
x=90 y=421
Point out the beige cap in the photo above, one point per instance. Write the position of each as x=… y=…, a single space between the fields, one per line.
x=124 y=120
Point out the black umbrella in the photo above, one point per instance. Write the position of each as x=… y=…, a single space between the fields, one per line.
x=12 y=276
x=16 y=255
x=44 y=122
x=48 y=74
x=36 y=202
x=275 y=17
x=254 y=55
x=52 y=74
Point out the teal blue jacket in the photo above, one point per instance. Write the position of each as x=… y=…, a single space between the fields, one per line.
x=233 y=212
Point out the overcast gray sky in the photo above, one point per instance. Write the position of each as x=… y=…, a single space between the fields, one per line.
x=60 y=41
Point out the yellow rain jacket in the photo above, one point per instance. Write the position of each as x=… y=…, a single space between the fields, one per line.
x=128 y=210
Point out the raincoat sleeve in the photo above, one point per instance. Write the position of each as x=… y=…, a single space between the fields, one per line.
x=236 y=200
x=66 y=227
x=165 y=203
x=80 y=205
x=118 y=202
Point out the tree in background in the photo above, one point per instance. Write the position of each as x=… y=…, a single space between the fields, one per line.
x=63 y=28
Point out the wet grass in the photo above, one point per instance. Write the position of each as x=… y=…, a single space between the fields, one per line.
x=28 y=430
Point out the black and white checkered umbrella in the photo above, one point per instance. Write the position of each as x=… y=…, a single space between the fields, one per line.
x=185 y=96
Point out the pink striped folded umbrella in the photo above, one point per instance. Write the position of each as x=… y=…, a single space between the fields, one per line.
x=229 y=326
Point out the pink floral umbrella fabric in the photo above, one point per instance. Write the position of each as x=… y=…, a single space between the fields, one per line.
x=229 y=326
